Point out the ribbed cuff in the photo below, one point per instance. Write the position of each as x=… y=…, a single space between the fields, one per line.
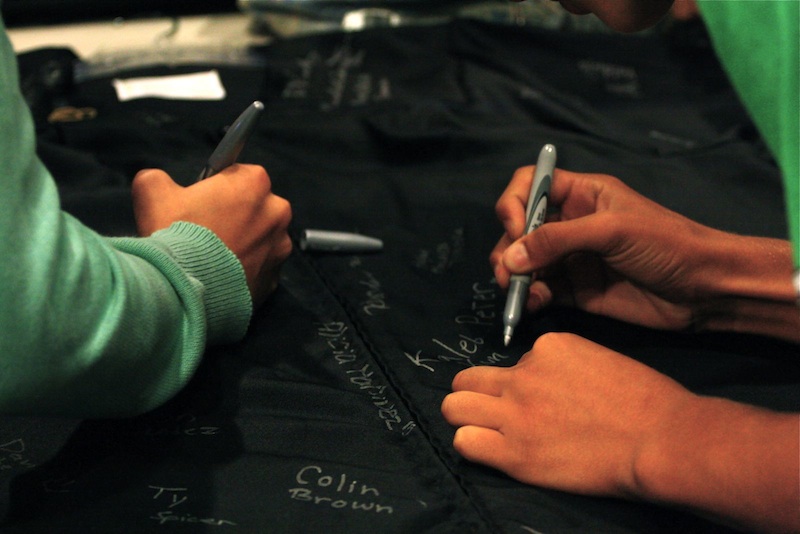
x=201 y=257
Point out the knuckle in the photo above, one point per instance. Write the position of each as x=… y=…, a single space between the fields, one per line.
x=447 y=406
x=146 y=182
x=285 y=248
x=143 y=179
x=541 y=241
x=285 y=208
x=261 y=174
x=547 y=341
x=257 y=177
x=611 y=180
x=281 y=211
x=460 y=380
x=461 y=440
x=495 y=262
x=501 y=207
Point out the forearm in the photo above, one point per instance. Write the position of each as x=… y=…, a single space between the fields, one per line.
x=108 y=333
x=93 y=327
x=745 y=285
x=734 y=462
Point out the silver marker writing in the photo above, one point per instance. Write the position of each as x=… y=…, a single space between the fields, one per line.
x=535 y=213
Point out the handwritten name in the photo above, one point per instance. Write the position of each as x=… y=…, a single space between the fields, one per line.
x=362 y=376
x=178 y=497
x=621 y=80
x=339 y=491
x=376 y=298
x=465 y=352
x=342 y=77
x=13 y=454
x=482 y=306
x=167 y=516
x=444 y=255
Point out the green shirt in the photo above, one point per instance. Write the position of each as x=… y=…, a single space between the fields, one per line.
x=92 y=326
x=757 y=42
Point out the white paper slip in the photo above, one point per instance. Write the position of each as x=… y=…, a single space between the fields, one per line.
x=195 y=86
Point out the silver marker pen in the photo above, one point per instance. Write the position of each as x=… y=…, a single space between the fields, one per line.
x=535 y=213
x=233 y=142
x=333 y=241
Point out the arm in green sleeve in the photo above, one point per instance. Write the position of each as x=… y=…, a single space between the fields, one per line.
x=92 y=326
x=758 y=43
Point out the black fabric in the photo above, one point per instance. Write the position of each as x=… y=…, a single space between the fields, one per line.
x=326 y=416
x=25 y=12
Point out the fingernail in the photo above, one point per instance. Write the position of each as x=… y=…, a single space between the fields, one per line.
x=516 y=257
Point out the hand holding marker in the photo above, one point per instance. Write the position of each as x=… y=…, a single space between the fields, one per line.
x=228 y=151
x=233 y=142
x=534 y=217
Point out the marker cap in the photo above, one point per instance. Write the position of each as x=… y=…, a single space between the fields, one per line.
x=332 y=241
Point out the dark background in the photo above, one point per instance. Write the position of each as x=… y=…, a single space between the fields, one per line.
x=28 y=12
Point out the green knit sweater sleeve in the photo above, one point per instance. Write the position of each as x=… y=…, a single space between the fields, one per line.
x=758 y=44
x=92 y=326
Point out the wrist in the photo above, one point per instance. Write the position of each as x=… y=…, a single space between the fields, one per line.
x=204 y=272
x=735 y=266
x=745 y=284
x=204 y=257
x=726 y=460
x=665 y=463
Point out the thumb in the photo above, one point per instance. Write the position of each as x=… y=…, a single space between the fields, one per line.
x=150 y=183
x=555 y=240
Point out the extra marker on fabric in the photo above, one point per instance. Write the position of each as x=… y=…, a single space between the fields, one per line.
x=332 y=241
x=535 y=213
